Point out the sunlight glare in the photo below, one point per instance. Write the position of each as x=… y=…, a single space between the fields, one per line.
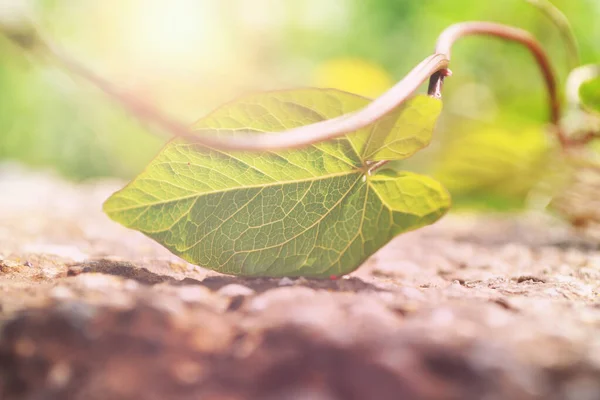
x=177 y=28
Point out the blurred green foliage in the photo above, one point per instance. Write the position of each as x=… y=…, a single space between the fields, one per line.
x=492 y=165
x=48 y=119
x=43 y=123
x=590 y=94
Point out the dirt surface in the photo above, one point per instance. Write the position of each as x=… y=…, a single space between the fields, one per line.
x=474 y=307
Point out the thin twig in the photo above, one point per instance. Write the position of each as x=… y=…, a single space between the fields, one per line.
x=436 y=65
x=289 y=139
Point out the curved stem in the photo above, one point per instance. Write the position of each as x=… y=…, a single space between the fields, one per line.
x=449 y=36
x=564 y=27
x=289 y=139
x=434 y=67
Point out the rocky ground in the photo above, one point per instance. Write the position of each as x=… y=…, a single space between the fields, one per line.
x=474 y=307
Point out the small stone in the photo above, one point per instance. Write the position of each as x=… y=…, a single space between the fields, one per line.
x=278 y=296
x=59 y=375
x=188 y=372
x=70 y=252
x=62 y=293
x=10 y=264
x=234 y=289
x=193 y=293
x=131 y=285
x=285 y=281
x=96 y=281
x=25 y=347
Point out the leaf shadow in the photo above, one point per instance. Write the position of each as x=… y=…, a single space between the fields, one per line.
x=122 y=269
x=346 y=284
x=145 y=276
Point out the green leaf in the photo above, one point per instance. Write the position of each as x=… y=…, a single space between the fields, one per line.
x=493 y=167
x=590 y=94
x=313 y=212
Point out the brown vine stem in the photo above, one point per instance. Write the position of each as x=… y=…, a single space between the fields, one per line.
x=289 y=139
x=447 y=39
x=434 y=67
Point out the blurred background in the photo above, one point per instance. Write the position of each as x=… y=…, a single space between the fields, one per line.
x=189 y=56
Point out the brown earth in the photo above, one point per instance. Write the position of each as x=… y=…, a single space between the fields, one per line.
x=474 y=307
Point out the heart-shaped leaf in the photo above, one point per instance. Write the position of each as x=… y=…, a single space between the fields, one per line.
x=312 y=212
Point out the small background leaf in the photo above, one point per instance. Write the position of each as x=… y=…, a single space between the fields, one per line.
x=493 y=167
x=590 y=94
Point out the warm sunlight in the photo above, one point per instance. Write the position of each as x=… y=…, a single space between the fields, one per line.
x=176 y=31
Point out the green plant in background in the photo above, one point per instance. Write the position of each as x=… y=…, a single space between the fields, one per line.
x=512 y=154
x=590 y=94
x=589 y=91
x=493 y=167
x=43 y=123
x=577 y=198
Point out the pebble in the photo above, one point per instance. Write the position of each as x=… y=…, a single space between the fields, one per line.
x=188 y=372
x=285 y=282
x=234 y=289
x=59 y=375
x=285 y=295
x=70 y=252
x=62 y=293
x=193 y=293
x=99 y=281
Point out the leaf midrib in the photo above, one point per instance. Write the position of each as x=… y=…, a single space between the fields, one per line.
x=264 y=185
